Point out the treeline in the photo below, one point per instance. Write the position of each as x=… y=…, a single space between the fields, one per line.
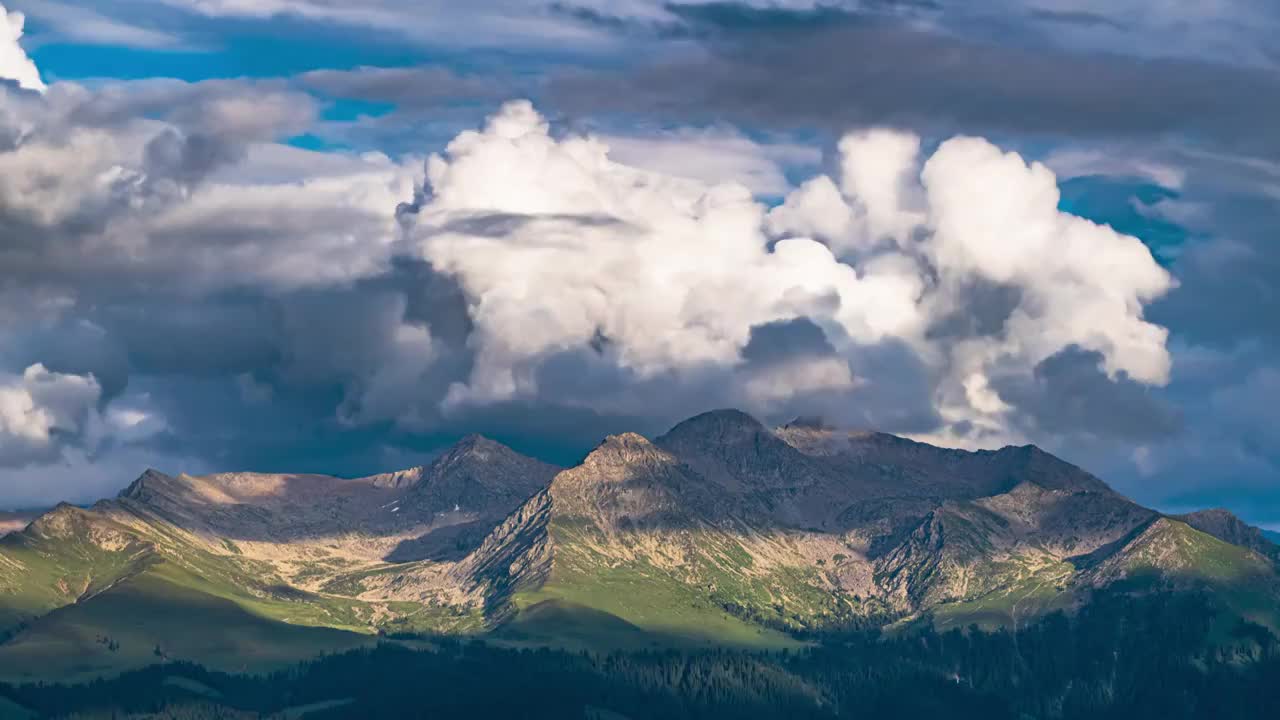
x=1163 y=658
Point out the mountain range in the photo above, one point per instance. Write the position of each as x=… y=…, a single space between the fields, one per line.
x=720 y=533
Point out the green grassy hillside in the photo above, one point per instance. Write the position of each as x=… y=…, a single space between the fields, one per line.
x=1172 y=555
x=85 y=594
x=150 y=618
x=1168 y=555
x=66 y=555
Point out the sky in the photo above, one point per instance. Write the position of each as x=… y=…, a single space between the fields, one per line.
x=324 y=236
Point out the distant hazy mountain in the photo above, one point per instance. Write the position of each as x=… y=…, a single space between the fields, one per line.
x=721 y=532
x=15 y=521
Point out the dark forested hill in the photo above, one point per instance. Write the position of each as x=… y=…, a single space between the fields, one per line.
x=1121 y=657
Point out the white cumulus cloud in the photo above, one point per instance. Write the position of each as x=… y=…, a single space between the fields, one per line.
x=14 y=63
x=38 y=407
x=714 y=155
x=559 y=247
x=183 y=183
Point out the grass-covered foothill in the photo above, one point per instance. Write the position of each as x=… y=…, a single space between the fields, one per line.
x=1130 y=657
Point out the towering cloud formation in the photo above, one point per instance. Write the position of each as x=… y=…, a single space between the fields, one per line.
x=14 y=63
x=964 y=259
x=560 y=247
x=39 y=409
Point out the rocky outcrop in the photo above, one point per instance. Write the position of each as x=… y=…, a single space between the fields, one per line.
x=629 y=482
x=516 y=555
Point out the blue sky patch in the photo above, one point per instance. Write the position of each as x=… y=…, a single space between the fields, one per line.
x=1127 y=205
x=229 y=48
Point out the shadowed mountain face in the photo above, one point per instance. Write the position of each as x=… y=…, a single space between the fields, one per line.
x=720 y=532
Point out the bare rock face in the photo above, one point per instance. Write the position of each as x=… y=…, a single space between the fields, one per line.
x=906 y=466
x=627 y=482
x=399 y=479
x=516 y=555
x=734 y=451
x=1066 y=523
x=766 y=478
x=478 y=475
x=966 y=549
x=463 y=495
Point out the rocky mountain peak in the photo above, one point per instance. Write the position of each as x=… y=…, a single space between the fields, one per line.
x=486 y=461
x=475 y=449
x=814 y=437
x=1225 y=526
x=719 y=427
x=1028 y=463
x=618 y=451
x=62 y=521
x=1217 y=515
x=476 y=475
x=470 y=454
x=729 y=437
x=627 y=481
x=147 y=485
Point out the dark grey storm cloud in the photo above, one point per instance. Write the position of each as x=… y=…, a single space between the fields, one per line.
x=901 y=399
x=1069 y=394
x=777 y=342
x=859 y=71
x=982 y=310
x=409 y=88
x=75 y=347
x=1229 y=287
x=237 y=110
